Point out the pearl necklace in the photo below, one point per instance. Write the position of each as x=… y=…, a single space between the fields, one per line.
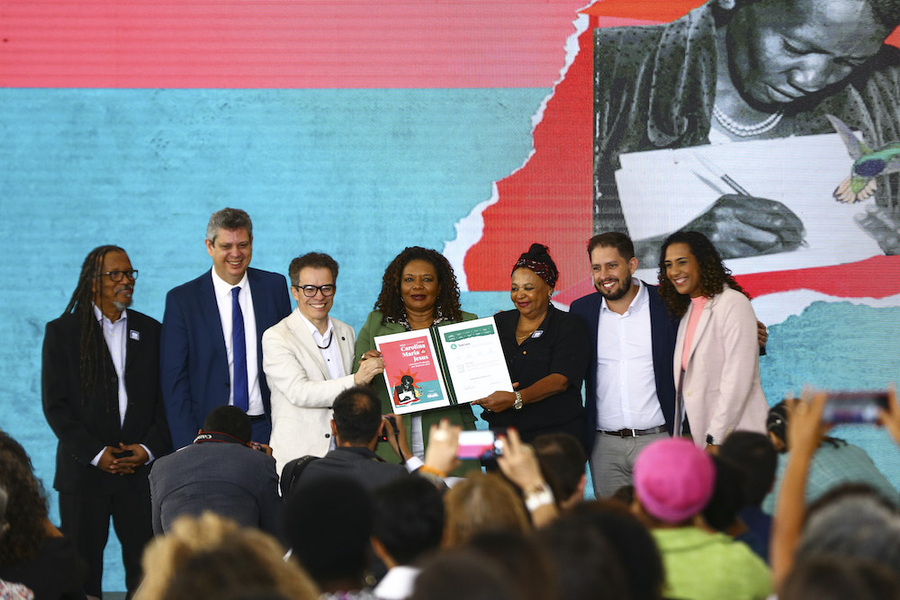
x=740 y=130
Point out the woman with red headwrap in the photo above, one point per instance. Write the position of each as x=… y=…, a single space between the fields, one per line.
x=547 y=352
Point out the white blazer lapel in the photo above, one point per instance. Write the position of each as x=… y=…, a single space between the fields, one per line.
x=346 y=343
x=304 y=337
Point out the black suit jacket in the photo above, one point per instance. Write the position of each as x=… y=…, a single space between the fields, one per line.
x=85 y=424
x=662 y=330
x=231 y=480
x=195 y=375
x=357 y=463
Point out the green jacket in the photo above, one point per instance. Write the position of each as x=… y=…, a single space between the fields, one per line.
x=365 y=341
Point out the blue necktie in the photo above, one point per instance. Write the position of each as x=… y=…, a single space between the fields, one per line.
x=239 y=351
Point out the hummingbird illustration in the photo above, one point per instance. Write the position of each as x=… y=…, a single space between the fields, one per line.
x=867 y=164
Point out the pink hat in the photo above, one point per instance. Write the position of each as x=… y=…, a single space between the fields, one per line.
x=673 y=479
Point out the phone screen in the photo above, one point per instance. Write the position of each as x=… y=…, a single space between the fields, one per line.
x=476 y=444
x=854 y=407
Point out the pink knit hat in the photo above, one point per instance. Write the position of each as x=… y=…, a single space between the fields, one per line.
x=673 y=479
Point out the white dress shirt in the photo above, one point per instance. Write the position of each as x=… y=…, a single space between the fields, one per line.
x=626 y=384
x=116 y=336
x=331 y=355
x=222 y=290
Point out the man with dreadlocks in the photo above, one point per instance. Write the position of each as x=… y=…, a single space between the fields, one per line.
x=101 y=397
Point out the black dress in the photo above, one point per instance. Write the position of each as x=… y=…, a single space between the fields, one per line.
x=560 y=345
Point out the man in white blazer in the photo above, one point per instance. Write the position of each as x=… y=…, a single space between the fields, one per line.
x=308 y=361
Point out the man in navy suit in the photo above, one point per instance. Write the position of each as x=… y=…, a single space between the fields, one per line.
x=211 y=353
x=630 y=389
x=101 y=396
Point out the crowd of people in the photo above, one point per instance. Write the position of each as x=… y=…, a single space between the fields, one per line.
x=246 y=450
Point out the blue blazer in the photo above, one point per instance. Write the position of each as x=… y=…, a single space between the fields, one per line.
x=662 y=328
x=193 y=360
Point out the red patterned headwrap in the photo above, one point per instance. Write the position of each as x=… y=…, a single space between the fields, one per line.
x=545 y=270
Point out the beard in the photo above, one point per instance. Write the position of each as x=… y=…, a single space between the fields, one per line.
x=123 y=304
x=617 y=293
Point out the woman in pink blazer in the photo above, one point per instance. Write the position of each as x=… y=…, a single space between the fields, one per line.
x=716 y=351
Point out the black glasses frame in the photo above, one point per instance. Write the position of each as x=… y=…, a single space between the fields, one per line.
x=327 y=290
x=117 y=276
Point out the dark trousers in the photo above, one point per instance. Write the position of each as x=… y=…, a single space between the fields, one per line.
x=85 y=519
x=262 y=430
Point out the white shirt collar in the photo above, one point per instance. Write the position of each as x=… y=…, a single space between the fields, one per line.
x=223 y=288
x=638 y=299
x=101 y=318
x=313 y=329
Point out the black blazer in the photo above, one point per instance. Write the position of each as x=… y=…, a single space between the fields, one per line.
x=662 y=331
x=84 y=425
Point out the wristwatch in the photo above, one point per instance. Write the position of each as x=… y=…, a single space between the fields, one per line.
x=518 y=403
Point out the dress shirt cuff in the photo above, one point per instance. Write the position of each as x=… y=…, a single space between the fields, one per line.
x=414 y=464
x=150 y=454
x=96 y=460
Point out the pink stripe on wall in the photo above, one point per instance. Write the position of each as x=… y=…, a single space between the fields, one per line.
x=283 y=44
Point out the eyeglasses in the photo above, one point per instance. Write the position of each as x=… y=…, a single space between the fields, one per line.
x=310 y=290
x=116 y=276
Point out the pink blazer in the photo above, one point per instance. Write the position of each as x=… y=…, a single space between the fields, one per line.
x=721 y=387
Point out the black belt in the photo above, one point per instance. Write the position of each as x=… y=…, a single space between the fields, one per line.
x=256 y=417
x=636 y=432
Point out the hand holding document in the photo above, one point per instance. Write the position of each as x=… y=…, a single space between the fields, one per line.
x=444 y=365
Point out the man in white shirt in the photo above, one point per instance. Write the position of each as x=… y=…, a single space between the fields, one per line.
x=308 y=361
x=211 y=353
x=630 y=390
x=101 y=397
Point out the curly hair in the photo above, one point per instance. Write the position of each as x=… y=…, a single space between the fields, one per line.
x=390 y=303
x=26 y=510
x=209 y=555
x=714 y=275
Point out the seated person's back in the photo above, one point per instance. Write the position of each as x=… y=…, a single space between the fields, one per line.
x=220 y=472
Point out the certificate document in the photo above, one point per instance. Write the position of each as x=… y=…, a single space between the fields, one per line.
x=444 y=365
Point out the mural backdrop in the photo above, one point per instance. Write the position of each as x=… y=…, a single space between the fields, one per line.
x=360 y=129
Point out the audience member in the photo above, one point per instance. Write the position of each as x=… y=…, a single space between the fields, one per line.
x=756 y=455
x=100 y=390
x=213 y=557
x=587 y=567
x=562 y=459
x=632 y=543
x=854 y=525
x=358 y=426
x=722 y=510
x=328 y=522
x=32 y=551
x=409 y=522
x=522 y=561
x=451 y=576
x=308 y=360
x=10 y=590
x=482 y=502
x=828 y=577
x=211 y=332
x=221 y=472
x=520 y=465
x=673 y=482
x=834 y=462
